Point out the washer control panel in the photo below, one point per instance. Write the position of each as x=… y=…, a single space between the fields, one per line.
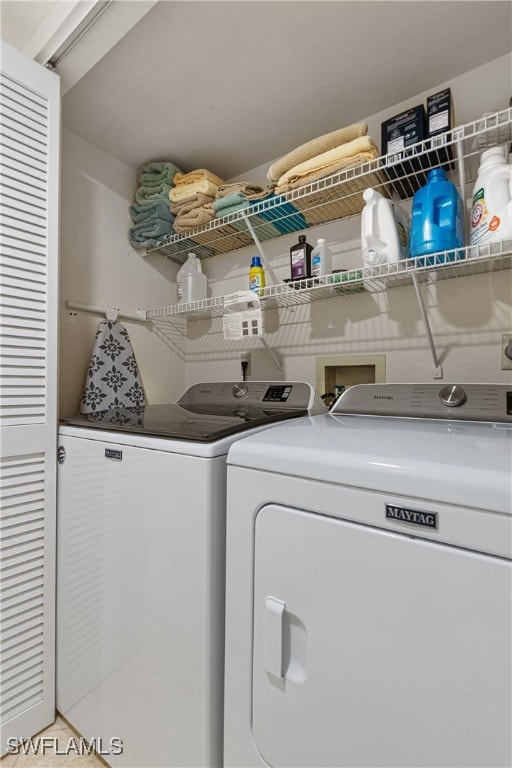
x=467 y=402
x=278 y=395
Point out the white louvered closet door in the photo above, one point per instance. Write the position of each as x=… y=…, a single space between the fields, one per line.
x=29 y=176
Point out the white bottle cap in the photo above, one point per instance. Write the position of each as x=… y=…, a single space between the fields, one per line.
x=494 y=154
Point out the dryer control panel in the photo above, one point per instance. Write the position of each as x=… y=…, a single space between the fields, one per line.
x=466 y=402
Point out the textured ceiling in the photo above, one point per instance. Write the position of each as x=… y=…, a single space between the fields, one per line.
x=232 y=85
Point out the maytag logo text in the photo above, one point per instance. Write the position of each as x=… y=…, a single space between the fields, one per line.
x=411 y=516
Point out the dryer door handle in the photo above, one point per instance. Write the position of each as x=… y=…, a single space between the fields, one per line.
x=273 y=637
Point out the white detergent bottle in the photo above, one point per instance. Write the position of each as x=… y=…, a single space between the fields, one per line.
x=191 y=283
x=384 y=230
x=321 y=259
x=491 y=214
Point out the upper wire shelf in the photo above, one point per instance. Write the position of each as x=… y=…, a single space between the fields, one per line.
x=470 y=260
x=340 y=195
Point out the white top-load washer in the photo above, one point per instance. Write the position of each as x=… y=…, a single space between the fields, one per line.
x=369 y=583
x=140 y=573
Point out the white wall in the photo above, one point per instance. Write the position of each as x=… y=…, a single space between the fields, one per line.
x=99 y=267
x=467 y=315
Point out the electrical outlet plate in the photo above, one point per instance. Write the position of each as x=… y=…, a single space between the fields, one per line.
x=506 y=362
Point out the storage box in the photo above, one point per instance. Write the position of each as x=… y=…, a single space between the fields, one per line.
x=440 y=112
x=440 y=120
x=398 y=134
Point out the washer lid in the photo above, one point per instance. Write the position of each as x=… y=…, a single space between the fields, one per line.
x=463 y=463
x=183 y=422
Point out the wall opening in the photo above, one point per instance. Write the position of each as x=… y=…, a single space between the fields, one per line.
x=346 y=370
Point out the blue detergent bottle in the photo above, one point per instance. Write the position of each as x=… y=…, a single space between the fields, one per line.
x=436 y=220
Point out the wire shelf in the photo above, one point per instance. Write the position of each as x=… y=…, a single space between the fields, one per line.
x=340 y=195
x=471 y=260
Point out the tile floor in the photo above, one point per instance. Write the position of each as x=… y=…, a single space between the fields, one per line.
x=62 y=733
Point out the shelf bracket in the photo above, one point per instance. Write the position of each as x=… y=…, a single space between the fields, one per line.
x=136 y=317
x=272 y=354
x=264 y=259
x=462 y=181
x=438 y=371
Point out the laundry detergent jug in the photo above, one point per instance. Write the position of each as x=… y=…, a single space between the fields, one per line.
x=191 y=283
x=436 y=222
x=491 y=214
x=384 y=230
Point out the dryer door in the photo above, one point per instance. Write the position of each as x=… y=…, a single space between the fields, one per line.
x=377 y=649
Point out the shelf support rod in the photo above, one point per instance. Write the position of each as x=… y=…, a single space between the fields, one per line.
x=462 y=182
x=140 y=317
x=272 y=354
x=438 y=371
x=264 y=259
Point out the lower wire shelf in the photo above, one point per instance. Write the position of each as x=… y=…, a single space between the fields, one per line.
x=470 y=260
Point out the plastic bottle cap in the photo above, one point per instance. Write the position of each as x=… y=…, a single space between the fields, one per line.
x=368 y=194
x=436 y=174
x=192 y=256
x=495 y=154
x=320 y=241
x=302 y=238
x=256 y=261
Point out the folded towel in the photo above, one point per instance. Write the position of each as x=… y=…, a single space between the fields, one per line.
x=150 y=242
x=315 y=147
x=145 y=213
x=152 y=229
x=145 y=195
x=197 y=217
x=345 y=156
x=234 y=198
x=239 y=186
x=113 y=379
x=157 y=168
x=194 y=201
x=192 y=177
x=284 y=217
x=227 y=210
x=268 y=190
x=180 y=193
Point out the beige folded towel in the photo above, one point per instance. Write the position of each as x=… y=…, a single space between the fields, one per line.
x=329 y=162
x=194 y=218
x=268 y=190
x=238 y=186
x=313 y=148
x=205 y=187
x=198 y=175
x=342 y=165
x=195 y=201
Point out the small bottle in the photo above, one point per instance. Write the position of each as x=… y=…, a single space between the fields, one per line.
x=321 y=262
x=256 y=276
x=300 y=259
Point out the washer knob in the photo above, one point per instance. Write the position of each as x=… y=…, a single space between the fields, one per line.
x=452 y=395
x=239 y=390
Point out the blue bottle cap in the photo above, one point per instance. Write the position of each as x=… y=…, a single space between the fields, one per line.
x=437 y=174
x=256 y=261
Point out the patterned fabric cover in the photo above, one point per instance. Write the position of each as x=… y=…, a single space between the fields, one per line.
x=113 y=380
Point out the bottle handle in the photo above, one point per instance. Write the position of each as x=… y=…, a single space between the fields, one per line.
x=370 y=225
x=490 y=186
